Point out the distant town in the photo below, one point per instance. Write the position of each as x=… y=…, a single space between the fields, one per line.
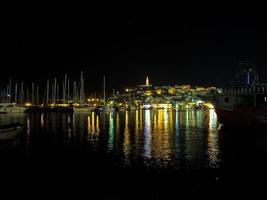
x=147 y=96
x=18 y=98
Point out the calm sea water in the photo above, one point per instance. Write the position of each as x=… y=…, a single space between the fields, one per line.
x=162 y=141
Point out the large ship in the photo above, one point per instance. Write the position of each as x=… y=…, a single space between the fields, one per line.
x=244 y=102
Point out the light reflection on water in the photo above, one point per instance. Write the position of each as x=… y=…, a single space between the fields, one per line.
x=162 y=138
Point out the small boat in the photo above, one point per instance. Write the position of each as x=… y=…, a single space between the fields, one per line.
x=11 y=108
x=9 y=131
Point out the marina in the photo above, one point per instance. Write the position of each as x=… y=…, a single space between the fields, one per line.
x=53 y=99
x=133 y=102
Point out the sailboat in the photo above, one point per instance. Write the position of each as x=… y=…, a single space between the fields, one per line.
x=9 y=104
x=106 y=107
x=81 y=107
x=11 y=108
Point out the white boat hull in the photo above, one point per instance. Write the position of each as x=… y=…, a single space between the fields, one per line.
x=11 y=108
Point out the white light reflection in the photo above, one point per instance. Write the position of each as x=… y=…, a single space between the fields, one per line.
x=111 y=132
x=28 y=130
x=213 y=148
x=147 y=135
x=42 y=120
x=126 y=140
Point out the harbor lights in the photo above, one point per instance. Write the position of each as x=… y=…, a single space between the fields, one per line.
x=209 y=105
x=28 y=104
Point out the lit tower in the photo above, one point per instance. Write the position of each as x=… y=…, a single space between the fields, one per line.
x=147 y=81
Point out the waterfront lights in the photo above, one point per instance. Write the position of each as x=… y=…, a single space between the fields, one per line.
x=63 y=105
x=28 y=104
x=198 y=102
x=147 y=106
x=209 y=105
x=91 y=100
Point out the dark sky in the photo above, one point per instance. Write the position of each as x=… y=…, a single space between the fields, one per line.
x=197 y=44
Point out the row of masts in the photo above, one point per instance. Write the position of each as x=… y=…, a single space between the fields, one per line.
x=53 y=93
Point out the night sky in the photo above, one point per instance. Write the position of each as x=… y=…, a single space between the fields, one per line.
x=195 y=44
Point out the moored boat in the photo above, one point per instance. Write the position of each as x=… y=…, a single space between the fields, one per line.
x=11 y=108
x=244 y=102
x=9 y=131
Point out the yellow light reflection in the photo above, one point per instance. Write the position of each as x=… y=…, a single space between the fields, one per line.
x=187 y=118
x=160 y=136
x=93 y=126
x=126 y=140
x=117 y=126
x=137 y=134
x=88 y=125
x=97 y=128
x=93 y=123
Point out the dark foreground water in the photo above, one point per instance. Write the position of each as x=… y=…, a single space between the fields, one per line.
x=132 y=155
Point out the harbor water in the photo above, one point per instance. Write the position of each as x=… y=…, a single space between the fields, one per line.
x=165 y=152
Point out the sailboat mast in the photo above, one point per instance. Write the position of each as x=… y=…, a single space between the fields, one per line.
x=74 y=92
x=65 y=88
x=55 y=91
x=16 y=92
x=63 y=91
x=81 y=88
x=27 y=94
x=4 y=96
x=21 y=94
x=37 y=95
x=104 y=90
x=9 y=91
x=32 y=93
x=47 y=92
x=52 y=93
x=68 y=91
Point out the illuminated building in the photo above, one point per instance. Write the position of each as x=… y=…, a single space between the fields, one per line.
x=159 y=91
x=147 y=81
x=146 y=86
x=171 y=90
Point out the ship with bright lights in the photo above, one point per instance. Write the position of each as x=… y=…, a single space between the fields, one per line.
x=244 y=102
